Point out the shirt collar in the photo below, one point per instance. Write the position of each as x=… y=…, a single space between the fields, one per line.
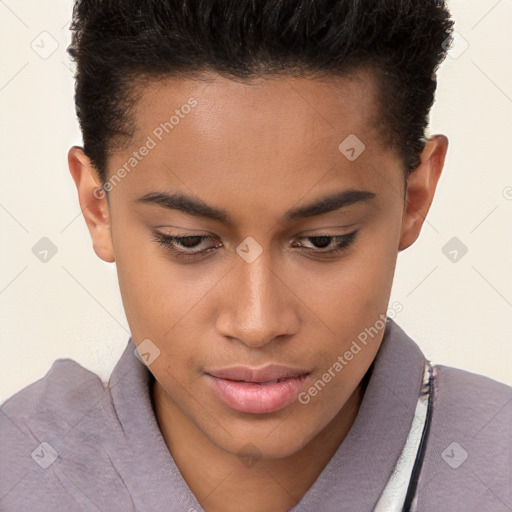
x=361 y=467
x=356 y=474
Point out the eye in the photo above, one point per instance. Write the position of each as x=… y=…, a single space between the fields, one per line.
x=194 y=246
x=186 y=246
x=328 y=244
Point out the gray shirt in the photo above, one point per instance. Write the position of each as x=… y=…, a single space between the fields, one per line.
x=70 y=443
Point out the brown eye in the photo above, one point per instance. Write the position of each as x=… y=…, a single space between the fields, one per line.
x=328 y=244
x=186 y=245
x=321 y=241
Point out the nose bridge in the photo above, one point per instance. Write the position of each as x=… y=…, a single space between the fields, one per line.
x=258 y=307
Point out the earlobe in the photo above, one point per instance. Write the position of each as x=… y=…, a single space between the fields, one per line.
x=93 y=202
x=421 y=187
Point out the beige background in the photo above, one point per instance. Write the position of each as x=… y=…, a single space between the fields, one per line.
x=459 y=313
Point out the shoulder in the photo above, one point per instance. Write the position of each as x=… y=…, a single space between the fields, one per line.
x=465 y=400
x=462 y=382
x=52 y=437
x=66 y=385
x=468 y=459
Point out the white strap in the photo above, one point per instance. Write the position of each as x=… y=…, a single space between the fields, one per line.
x=402 y=481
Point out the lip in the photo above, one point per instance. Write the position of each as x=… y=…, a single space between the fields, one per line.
x=257 y=390
x=258 y=375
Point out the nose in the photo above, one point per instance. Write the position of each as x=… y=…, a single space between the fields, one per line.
x=257 y=305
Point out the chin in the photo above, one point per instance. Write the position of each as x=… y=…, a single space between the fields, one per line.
x=263 y=444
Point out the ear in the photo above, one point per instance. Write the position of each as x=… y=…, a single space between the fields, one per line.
x=93 y=202
x=420 y=189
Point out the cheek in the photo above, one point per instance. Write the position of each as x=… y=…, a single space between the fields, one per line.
x=163 y=301
x=144 y=282
x=353 y=294
x=355 y=302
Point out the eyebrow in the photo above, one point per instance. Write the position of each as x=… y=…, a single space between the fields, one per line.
x=198 y=208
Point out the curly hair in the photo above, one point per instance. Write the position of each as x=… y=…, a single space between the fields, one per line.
x=119 y=44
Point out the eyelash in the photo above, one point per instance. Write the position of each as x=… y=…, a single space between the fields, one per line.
x=170 y=243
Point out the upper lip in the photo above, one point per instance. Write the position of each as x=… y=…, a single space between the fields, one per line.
x=264 y=374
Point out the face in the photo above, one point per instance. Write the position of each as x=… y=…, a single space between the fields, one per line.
x=292 y=213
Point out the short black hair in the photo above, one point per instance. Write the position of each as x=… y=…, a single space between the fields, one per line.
x=118 y=44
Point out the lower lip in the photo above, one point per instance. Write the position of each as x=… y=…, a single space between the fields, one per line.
x=256 y=398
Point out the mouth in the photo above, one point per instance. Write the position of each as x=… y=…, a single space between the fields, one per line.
x=257 y=391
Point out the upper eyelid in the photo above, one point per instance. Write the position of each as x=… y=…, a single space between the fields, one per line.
x=213 y=237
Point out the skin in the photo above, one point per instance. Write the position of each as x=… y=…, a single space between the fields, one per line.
x=256 y=151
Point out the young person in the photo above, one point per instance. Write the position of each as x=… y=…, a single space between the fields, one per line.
x=253 y=168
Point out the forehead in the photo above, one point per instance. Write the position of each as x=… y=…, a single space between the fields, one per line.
x=263 y=140
x=307 y=107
